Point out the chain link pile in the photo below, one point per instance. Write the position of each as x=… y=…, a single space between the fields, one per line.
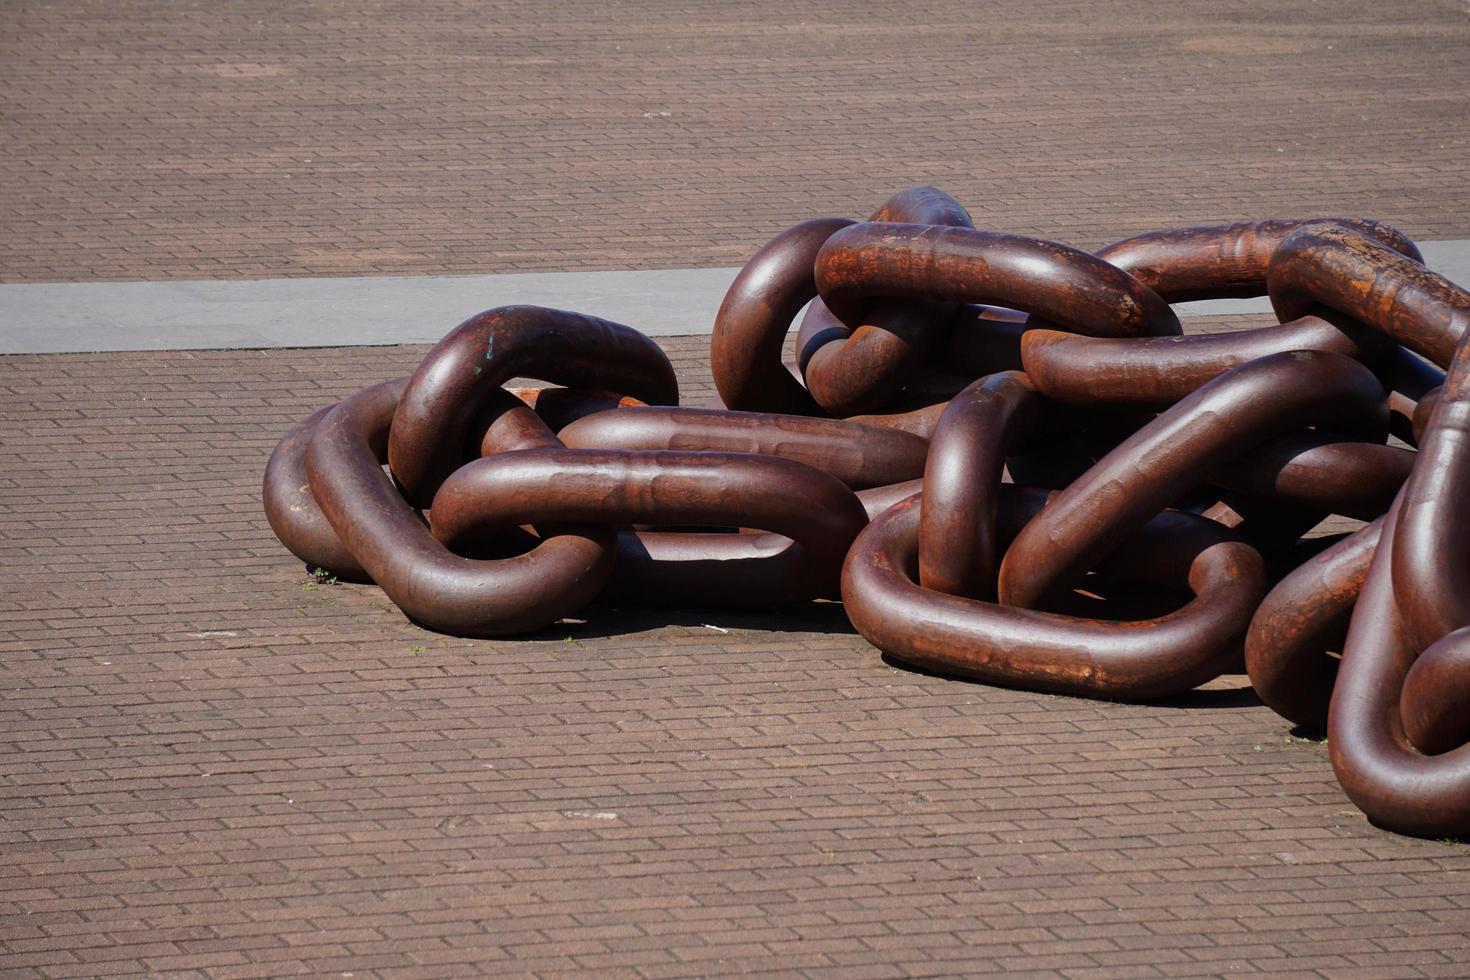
x=1109 y=508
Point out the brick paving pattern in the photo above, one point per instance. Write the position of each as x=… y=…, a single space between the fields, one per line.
x=147 y=139
x=210 y=764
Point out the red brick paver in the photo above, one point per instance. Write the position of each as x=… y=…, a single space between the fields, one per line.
x=209 y=763
x=144 y=139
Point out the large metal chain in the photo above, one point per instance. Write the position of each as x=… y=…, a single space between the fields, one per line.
x=998 y=451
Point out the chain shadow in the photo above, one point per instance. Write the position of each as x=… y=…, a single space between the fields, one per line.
x=609 y=619
x=1214 y=698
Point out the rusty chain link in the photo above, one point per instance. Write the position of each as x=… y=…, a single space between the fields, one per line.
x=998 y=451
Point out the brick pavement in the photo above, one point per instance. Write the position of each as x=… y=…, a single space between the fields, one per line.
x=151 y=139
x=210 y=764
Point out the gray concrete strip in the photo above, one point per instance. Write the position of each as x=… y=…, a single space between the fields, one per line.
x=334 y=312
x=37 y=318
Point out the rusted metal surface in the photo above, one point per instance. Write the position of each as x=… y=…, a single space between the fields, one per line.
x=812 y=516
x=1431 y=577
x=1315 y=471
x=1054 y=283
x=1177 y=451
x=861 y=456
x=1161 y=370
x=862 y=360
x=846 y=367
x=428 y=437
x=431 y=584
x=1396 y=783
x=998 y=451
x=291 y=507
x=1226 y=261
x=1072 y=654
x=745 y=345
x=982 y=425
x=1296 y=636
x=1331 y=266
